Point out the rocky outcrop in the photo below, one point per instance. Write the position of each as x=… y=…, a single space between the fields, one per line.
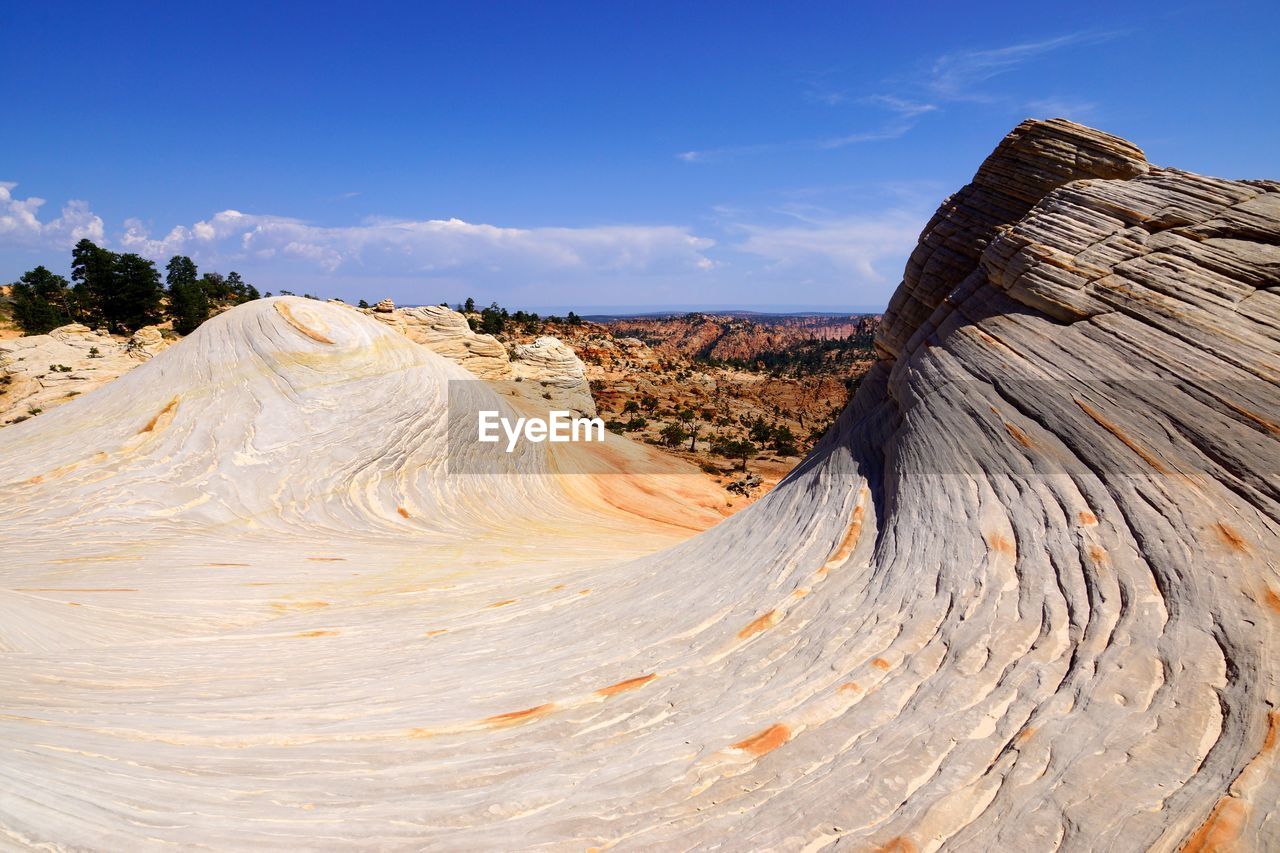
x=447 y=332
x=1037 y=157
x=1023 y=596
x=621 y=353
x=1081 y=365
x=557 y=372
x=546 y=373
x=41 y=372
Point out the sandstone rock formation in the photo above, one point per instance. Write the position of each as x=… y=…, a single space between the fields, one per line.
x=555 y=375
x=447 y=333
x=557 y=372
x=1023 y=596
x=40 y=372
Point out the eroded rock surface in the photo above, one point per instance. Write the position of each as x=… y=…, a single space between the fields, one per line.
x=446 y=332
x=557 y=372
x=40 y=372
x=546 y=373
x=1024 y=595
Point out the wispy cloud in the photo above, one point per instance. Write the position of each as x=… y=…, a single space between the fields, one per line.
x=957 y=77
x=812 y=243
x=902 y=117
x=1072 y=108
x=21 y=227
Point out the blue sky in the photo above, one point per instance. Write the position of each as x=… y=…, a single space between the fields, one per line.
x=582 y=155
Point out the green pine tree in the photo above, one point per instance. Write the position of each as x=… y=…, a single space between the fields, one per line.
x=41 y=302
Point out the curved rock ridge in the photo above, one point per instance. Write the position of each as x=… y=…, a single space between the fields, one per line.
x=1023 y=596
x=1037 y=157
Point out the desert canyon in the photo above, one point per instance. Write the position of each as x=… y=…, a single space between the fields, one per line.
x=1024 y=594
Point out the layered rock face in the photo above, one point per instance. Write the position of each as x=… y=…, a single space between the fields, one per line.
x=1023 y=596
x=447 y=333
x=557 y=371
x=1037 y=157
x=39 y=372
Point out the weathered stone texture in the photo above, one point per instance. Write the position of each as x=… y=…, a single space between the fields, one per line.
x=1024 y=596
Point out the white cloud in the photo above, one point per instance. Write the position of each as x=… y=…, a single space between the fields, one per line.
x=425 y=246
x=902 y=106
x=20 y=224
x=850 y=245
x=737 y=256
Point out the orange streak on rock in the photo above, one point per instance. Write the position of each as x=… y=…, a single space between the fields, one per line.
x=850 y=687
x=516 y=717
x=327 y=559
x=1232 y=538
x=403 y=512
x=286 y=606
x=316 y=634
x=1128 y=442
x=850 y=540
x=899 y=844
x=1019 y=436
x=502 y=603
x=624 y=686
x=168 y=409
x=760 y=623
x=1221 y=830
x=1097 y=556
x=436 y=633
x=880 y=663
x=1001 y=544
x=1273 y=599
x=1088 y=518
x=283 y=310
x=765 y=741
x=1269 y=426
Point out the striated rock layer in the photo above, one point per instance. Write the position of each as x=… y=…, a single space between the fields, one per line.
x=1023 y=596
